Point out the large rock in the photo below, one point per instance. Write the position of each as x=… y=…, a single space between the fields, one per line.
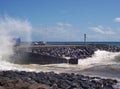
x=39 y=86
x=73 y=61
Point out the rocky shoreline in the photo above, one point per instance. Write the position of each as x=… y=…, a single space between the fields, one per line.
x=52 y=80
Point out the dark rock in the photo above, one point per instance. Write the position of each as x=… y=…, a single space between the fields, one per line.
x=51 y=80
x=39 y=86
x=2 y=87
x=73 y=61
x=108 y=87
x=54 y=86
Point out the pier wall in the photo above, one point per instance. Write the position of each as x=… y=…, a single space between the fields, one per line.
x=33 y=58
x=52 y=54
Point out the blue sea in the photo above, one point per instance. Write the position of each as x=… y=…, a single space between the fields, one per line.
x=62 y=43
x=76 y=43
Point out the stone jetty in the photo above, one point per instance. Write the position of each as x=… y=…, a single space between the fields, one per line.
x=51 y=80
x=51 y=54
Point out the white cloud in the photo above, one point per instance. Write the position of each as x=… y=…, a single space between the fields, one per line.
x=64 y=24
x=58 y=32
x=117 y=19
x=102 y=30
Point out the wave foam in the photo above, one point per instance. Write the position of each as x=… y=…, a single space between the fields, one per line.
x=100 y=57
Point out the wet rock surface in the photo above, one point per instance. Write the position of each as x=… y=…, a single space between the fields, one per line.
x=51 y=80
x=74 y=51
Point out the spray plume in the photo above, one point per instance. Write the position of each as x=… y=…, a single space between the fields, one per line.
x=12 y=28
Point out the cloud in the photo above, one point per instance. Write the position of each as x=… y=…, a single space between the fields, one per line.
x=102 y=30
x=117 y=19
x=59 y=32
x=15 y=28
x=64 y=24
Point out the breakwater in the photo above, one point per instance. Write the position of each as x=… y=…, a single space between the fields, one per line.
x=51 y=54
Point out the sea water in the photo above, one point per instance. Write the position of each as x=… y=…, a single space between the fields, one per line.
x=103 y=64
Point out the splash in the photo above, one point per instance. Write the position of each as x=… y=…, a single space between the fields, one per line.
x=15 y=28
x=10 y=28
x=100 y=57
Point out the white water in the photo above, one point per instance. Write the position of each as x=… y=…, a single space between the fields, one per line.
x=101 y=60
x=102 y=63
x=100 y=57
x=10 y=28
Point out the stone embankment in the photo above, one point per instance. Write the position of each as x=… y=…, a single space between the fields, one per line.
x=74 y=51
x=50 y=54
x=51 y=80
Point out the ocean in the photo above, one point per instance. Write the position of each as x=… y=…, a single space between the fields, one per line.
x=103 y=64
x=75 y=43
x=108 y=43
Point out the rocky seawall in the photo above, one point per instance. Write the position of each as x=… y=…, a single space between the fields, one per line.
x=51 y=54
x=51 y=80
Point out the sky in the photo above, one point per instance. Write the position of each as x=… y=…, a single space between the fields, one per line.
x=61 y=20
